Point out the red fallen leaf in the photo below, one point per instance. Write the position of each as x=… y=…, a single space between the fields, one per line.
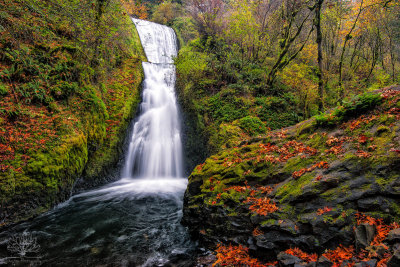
x=339 y=255
x=261 y=206
x=200 y=167
x=383 y=262
x=324 y=210
x=265 y=189
x=302 y=255
x=363 y=154
x=239 y=189
x=257 y=232
x=362 y=139
x=321 y=164
x=236 y=256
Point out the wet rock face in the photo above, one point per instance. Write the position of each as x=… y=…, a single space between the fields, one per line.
x=317 y=181
x=394 y=261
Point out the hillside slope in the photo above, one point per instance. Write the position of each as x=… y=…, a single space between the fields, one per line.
x=302 y=186
x=70 y=75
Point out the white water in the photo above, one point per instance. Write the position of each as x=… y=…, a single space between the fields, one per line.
x=155 y=149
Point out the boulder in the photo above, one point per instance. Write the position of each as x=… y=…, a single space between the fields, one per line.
x=370 y=263
x=364 y=234
x=324 y=262
x=394 y=236
x=285 y=259
x=394 y=261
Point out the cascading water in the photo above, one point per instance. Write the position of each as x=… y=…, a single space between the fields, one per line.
x=156 y=148
x=136 y=220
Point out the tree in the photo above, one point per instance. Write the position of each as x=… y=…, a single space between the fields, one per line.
x=243 y=32
x=318 y=7
x=165 y=13
x=360 y=7
x=206 y=14
x=295 y=16
x=135 y=8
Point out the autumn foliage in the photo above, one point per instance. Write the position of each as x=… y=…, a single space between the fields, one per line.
x=236 y=256
x=302 y=255
x=324 y=210
x=339 y=255
x=320 y=165
x=261 y=206
x=135 y=8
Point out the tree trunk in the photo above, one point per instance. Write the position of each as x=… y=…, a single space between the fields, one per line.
x=319 y=43
x=346 y=39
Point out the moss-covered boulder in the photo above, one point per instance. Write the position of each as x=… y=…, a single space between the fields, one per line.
x=300 y=186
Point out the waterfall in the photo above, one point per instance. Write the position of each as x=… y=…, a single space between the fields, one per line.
x=155 y=149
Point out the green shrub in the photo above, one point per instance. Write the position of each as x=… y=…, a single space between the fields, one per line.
x=277 y=112
x=357 y=106
x=252 y=125
x=226 y=107
x=3 y=89
x=63 y=89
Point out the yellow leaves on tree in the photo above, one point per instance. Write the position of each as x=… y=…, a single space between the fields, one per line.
x=135 y=9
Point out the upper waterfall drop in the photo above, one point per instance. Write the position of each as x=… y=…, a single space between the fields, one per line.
x=159 y=42
x=155 y=149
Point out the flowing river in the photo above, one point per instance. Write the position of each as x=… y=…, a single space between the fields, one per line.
x=136 y=220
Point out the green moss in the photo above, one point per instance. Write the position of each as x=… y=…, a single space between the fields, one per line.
x=287 y=211
x=297 y=163
x=294 y=187
x=269 y=222
x=252 y=125
x=226 y=136
x=384 y=181
x=108 y=152
x=395 y=209
x=306 y=127
x=387 y=119
x=3 y=89
x=357 y=106
x=337 y=192
x=59 y=166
